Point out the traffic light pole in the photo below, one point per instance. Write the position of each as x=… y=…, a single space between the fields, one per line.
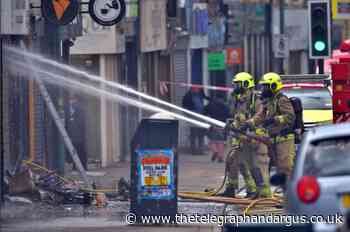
x=321 y=66
x=2 y=165
x=2 y=161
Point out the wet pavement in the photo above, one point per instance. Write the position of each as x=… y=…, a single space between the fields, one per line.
x=41 y=217
x=195 y=174
x=100 y=225
x=117 y=210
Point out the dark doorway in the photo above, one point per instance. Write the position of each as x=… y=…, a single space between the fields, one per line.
x=197 y=73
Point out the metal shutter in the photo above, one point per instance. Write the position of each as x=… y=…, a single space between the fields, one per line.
x=180 y=75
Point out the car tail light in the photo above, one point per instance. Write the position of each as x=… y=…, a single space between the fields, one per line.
x=308 y=189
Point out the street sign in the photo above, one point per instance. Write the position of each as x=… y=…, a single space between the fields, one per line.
x=216 y=61
x=233 y=56
x=340 y=9
x=280 y=46
x=60 y=12
x=107 y=12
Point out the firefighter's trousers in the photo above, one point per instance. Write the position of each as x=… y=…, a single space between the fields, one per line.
x=283 y=154
x=252 y=160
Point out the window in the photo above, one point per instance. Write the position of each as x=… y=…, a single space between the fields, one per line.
x=328 y=158
x=312 y=99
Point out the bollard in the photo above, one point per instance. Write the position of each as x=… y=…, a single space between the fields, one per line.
x=153 y=171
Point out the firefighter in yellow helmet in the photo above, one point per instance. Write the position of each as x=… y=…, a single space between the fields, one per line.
x=245 y=154
x=277 y=116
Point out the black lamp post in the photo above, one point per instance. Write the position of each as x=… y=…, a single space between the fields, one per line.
x=1 y=129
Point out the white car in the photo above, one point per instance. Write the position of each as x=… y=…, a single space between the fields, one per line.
x=320 y=183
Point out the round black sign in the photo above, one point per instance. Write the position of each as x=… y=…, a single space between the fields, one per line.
x=107 y=12
x=60 y=12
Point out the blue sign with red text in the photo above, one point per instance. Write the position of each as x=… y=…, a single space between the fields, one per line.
x=156 y=178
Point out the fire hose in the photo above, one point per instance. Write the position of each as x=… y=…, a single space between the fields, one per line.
x=252 y=136
x=274 y=201
x=247 y=203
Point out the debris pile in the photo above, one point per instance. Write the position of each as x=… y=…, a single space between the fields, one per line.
x=36 y=183
x=39 y=184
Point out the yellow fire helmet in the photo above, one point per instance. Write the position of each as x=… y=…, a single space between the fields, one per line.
x=273 y=80
x=244 y=79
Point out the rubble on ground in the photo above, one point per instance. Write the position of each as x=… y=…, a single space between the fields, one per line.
x=37 y=184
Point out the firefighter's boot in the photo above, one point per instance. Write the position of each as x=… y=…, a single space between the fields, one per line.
x=251 y=194
x=251 y=189
x=263 y=187
x=265 y=192
x=230 y=191
x=249 y=181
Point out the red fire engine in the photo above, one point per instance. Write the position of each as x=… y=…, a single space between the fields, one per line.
x=341 y=86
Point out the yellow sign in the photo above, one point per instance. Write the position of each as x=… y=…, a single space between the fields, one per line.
x=341 y=9
x=160 y=180
x=346 y=201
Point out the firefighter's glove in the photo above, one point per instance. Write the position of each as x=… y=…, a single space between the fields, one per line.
x=268 y=122
x=244 y=126
x=280 y=119
x=243 y=138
